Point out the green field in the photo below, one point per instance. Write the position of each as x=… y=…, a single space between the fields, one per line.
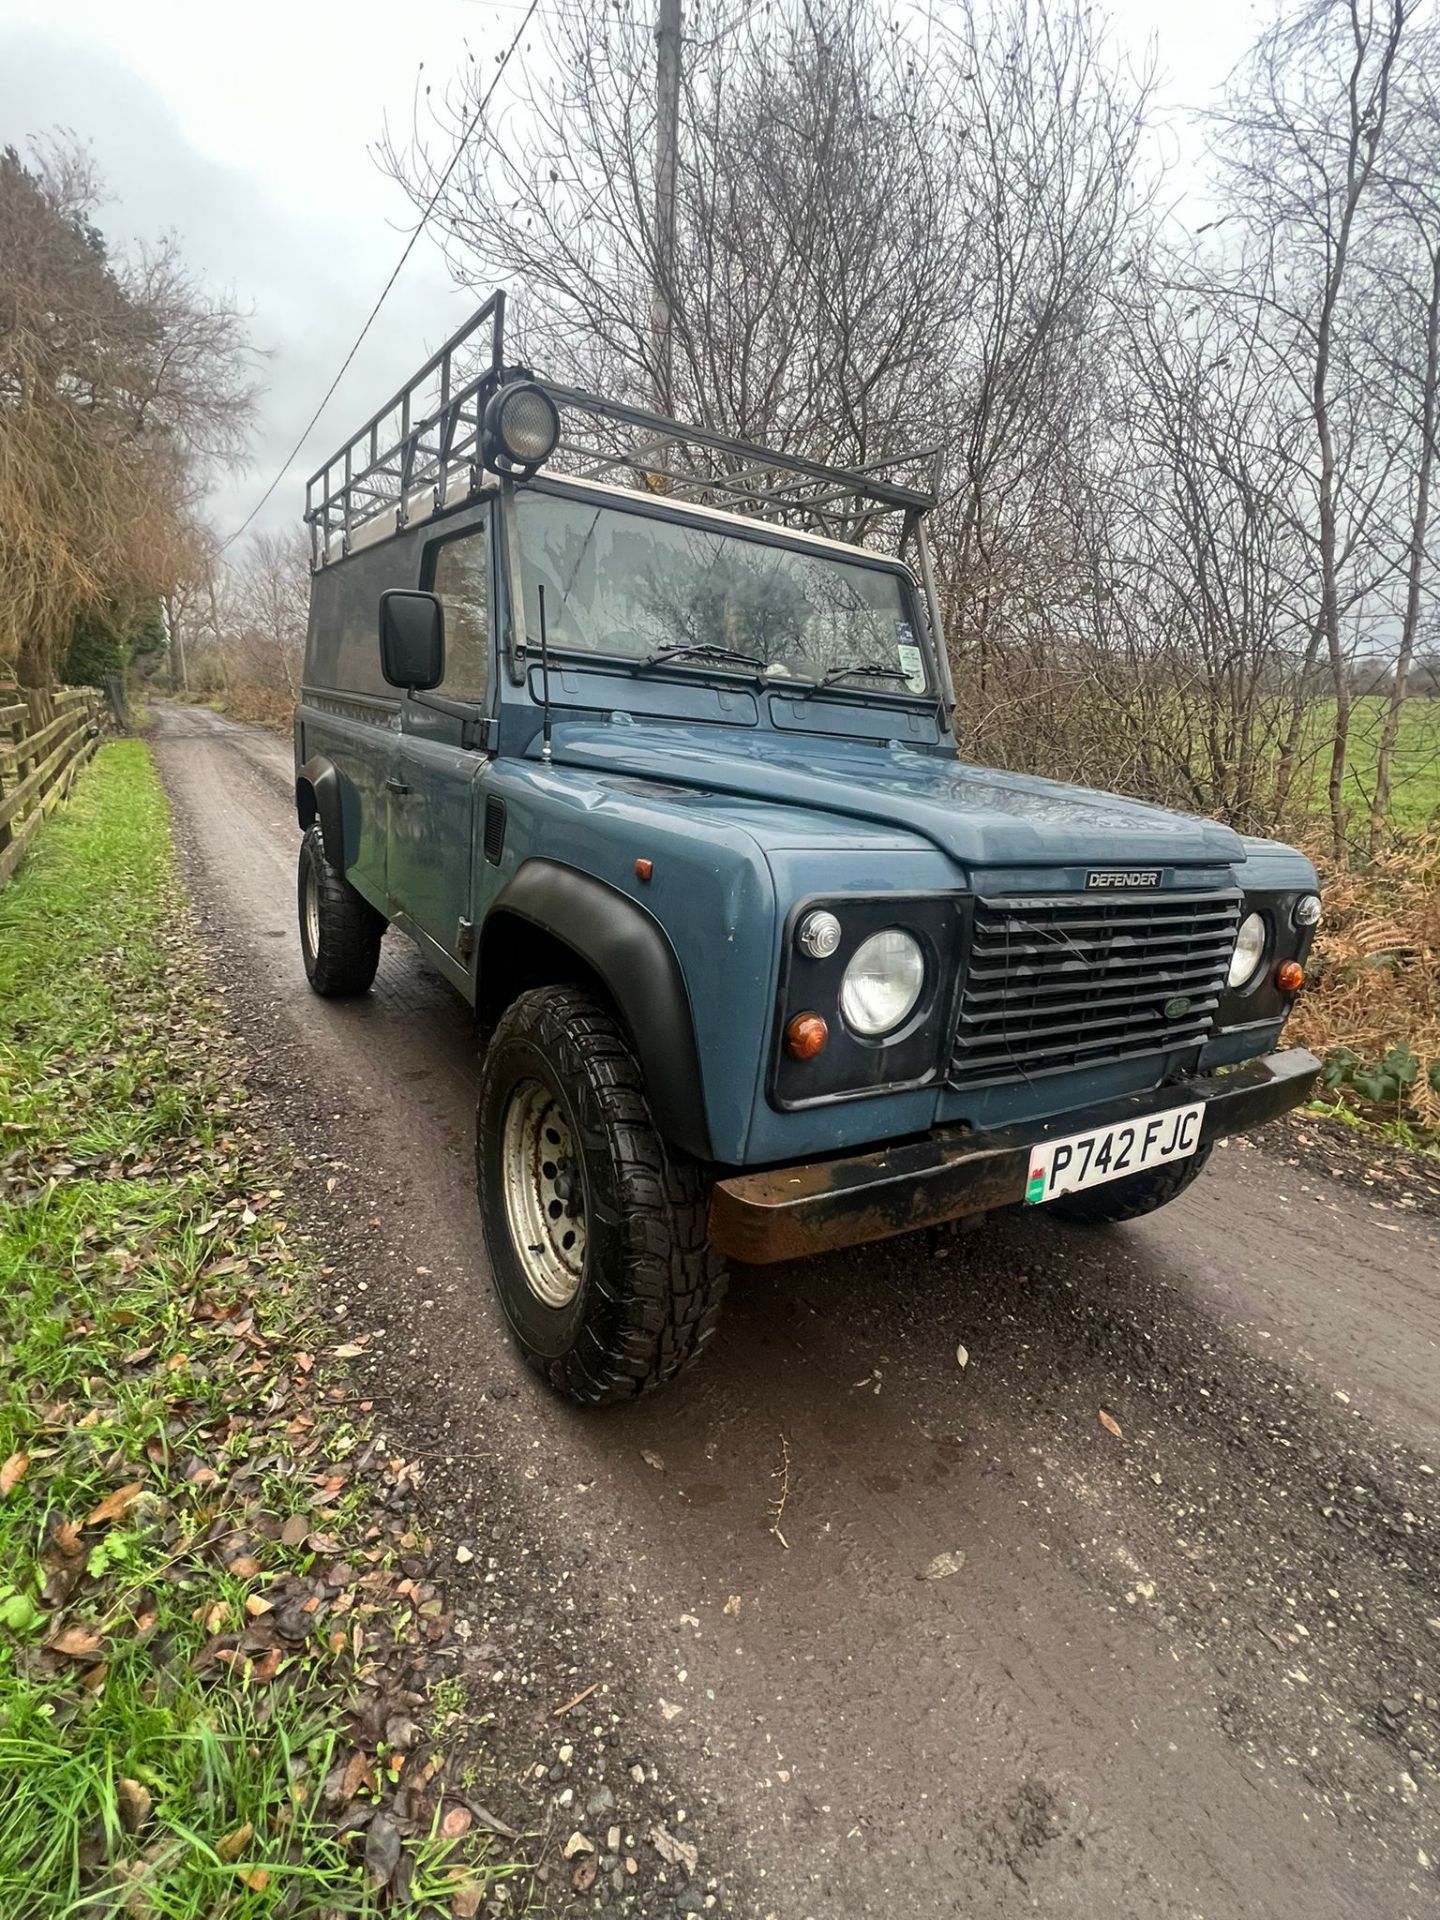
x=1415 y=797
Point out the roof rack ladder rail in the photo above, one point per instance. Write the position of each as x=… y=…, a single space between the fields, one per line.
x=334 y=502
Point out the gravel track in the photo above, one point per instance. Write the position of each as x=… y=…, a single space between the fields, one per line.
x=1189 y=1671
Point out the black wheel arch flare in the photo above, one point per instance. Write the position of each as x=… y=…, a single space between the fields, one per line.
x=317 y=797
x=631 y=954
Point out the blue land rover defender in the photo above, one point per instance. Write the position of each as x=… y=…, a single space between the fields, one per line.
x=643 y=736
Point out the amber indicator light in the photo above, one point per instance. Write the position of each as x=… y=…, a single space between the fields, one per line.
x=1290 y=976
x=805 y=1036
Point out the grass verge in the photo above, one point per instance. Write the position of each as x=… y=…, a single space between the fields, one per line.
x=215 y=1620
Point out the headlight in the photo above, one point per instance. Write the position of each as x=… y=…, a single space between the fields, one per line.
x=882 y=983
x=1249 y=950
x=1307 y=910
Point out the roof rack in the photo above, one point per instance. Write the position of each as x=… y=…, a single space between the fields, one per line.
x=421 y=452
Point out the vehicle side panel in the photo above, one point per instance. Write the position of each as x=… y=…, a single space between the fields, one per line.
x=348 y=715
x=710 y=891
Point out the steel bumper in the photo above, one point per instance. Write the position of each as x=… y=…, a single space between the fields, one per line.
x=784 y=1213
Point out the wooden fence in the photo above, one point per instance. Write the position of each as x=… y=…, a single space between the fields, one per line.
x=45 y=738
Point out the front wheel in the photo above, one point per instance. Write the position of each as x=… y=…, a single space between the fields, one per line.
x=595 y=1227
x=1134 y=1196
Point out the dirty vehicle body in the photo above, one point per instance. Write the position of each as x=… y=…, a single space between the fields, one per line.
x=643 y=736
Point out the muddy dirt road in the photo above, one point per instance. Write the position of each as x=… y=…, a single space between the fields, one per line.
x=1189 y=1671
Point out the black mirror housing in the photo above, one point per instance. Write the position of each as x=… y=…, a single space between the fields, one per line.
x=412 y=639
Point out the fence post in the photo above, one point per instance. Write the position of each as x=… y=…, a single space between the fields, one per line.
x=45 y=739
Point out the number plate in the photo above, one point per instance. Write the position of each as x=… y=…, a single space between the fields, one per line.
x=1110 y=1153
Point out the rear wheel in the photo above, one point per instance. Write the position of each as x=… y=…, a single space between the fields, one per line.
x=339 y=929
x=595 y=1227
x=1134 y=1196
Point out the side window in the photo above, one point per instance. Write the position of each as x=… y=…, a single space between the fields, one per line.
x=462 y=583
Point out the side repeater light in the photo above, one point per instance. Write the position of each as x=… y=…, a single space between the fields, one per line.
x=1289 y=976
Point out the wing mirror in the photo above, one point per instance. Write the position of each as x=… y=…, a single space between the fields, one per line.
x=412 y=639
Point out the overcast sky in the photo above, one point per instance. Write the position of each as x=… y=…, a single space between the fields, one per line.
x=246 y=131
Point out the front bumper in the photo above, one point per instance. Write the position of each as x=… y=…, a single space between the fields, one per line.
x=785 y=1213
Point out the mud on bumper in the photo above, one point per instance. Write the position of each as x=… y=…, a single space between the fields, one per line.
x=784 y=1213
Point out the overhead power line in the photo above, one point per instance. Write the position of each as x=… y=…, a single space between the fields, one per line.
x=359 y=340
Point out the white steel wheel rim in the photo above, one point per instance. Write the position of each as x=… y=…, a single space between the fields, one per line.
x=544 y=1193
x=312 y=908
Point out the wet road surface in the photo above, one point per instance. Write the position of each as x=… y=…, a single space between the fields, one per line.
x=1188 y=1671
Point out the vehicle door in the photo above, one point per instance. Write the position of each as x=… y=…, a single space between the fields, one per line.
x=441 y=758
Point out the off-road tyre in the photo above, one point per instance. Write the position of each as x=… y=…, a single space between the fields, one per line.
x=1134 y=1196
x=340 y=941
x=650 y=1286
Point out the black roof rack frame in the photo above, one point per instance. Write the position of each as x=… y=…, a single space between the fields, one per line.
x=427 y=439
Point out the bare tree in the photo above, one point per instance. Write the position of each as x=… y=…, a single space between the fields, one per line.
x=270 y=594
x=1410 y=270
x=808 y=282
x=1297 y=157
x=118 y=381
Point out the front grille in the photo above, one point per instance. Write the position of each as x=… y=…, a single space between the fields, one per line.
x=1075 y=982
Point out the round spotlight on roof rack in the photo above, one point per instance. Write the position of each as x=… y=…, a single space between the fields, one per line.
x=521 y=428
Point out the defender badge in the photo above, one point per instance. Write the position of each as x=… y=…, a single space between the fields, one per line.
x=1127 y=877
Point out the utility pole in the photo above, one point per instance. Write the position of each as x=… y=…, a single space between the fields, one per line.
x=667 y=140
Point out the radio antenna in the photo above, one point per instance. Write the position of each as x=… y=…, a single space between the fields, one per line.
x=544 y=682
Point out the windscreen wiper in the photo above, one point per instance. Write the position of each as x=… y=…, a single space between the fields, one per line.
x=704 y=650
x=868 y=670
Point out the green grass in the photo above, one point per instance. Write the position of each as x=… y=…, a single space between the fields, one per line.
x=1390 y=1133
x=1415 y=801
x=149 y=1319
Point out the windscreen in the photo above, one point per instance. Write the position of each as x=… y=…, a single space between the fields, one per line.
x=633 y=584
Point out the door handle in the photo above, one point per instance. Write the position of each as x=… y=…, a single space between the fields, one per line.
x=392 y=785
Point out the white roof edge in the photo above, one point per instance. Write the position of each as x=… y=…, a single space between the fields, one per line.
x=723 y=517
x=459 y=486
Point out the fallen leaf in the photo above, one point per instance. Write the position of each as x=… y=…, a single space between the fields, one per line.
x=358 y=1774
x=234 y=1844
x=116 y=1505
x=675 y=1853
x=466 y=1903
x=382 y=1850
x=12 y=1473
x=652 y=1460
x=244 y=1566
x=351 y=1350
x=962 y=1356
x=134 y=1802
x=942 y=1566
x=257 y=1879
x=76 y=1643
x=1111 y=1424
x=65 y=1539
x=294 y=1530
